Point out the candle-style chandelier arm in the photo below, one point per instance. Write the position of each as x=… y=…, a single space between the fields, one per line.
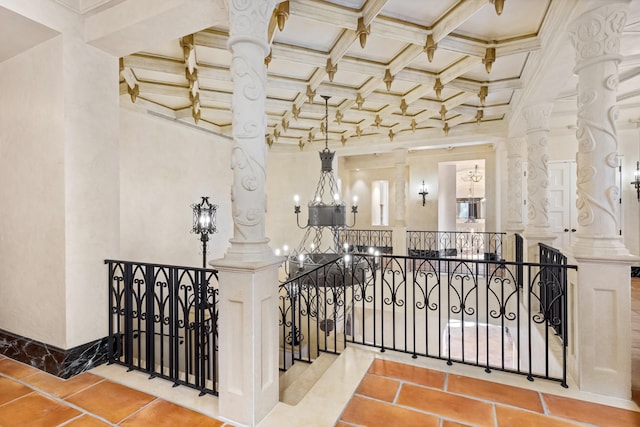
x=354 y=211
x=297 y=210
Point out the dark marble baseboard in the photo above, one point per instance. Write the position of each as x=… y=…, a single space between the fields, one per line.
x=61 y=363
x=635 y=271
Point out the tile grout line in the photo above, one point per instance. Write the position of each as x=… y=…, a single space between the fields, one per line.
x=544 y=403
x=395 y=398
x=140 y=409
x=57 y=399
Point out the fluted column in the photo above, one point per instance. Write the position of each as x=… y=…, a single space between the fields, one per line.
x=515 y=218
x=600 y=352
x=248 y=45
x=596 y=38
x=537 y=229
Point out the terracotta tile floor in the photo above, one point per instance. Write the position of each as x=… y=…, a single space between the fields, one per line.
x=395 y=394
x=32 y=398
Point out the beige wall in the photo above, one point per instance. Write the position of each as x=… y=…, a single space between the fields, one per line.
x=289 y=174
x=32 y=194
x=165 y=168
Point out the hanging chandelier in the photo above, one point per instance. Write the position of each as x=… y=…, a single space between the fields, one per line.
x=327 y=214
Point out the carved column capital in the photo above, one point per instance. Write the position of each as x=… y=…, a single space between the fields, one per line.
x=596 y=33
x=537 y=117
x=248 y=22
x=515 y=146
x=400 y=155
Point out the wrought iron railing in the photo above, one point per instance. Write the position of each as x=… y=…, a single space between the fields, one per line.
x=519 y=257
x=455 y=244
x=554 y=287
x=362 y=240
x=163 y=321
x=405 y=304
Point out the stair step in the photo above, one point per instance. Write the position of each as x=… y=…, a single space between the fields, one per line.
x=301 y=380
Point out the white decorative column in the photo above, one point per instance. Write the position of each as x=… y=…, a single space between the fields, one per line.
x=537 y=229
x=248 y=279
x=515 y=218
x=400 y=226
x=596 y=37
x=248 y=45
x=601 y=358
x=400 y=160
x=446 y=197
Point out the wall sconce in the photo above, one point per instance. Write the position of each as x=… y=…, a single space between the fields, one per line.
x=204 y=223
x=636 y=180
x=423 y=192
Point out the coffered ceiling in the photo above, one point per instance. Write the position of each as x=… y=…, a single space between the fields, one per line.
x=398 y=72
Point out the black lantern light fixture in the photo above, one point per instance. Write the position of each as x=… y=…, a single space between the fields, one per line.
x=326 y=212
x=423 y=192
x=636 y=180
x=204 y=223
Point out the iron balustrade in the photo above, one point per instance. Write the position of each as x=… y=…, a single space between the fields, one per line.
x=553 y=285
x=456 y=244
x=163 y=321
x=470 y=311
x=362 y=240
x=519 y=256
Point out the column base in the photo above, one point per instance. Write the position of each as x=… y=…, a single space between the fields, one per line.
x=248 y=340
x=599 y=352
x=248 y=252
x=594 y=247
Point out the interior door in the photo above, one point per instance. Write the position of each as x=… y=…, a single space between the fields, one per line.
x=562 y=202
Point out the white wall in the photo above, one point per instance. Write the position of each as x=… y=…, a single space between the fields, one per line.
x=32 y=211
x=165 y=168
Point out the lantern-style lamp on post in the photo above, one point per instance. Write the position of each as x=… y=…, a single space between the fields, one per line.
x=204 y=223
x=423 y=192
x=636 y=180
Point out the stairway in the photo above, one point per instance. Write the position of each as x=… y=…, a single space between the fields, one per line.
x=301 y=377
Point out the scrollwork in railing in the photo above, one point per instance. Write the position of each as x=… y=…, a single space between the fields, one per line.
x=460 y=274
x=502 y=278
x=393 y=277
x=361 y=240
x=455 y=244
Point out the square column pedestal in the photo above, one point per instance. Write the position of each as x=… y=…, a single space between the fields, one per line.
x=248 y=339
x=599 y=352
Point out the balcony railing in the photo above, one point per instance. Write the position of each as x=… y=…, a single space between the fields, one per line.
x=163 y=321
x=455 y=244
x=499 y=315
x=362 y=240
